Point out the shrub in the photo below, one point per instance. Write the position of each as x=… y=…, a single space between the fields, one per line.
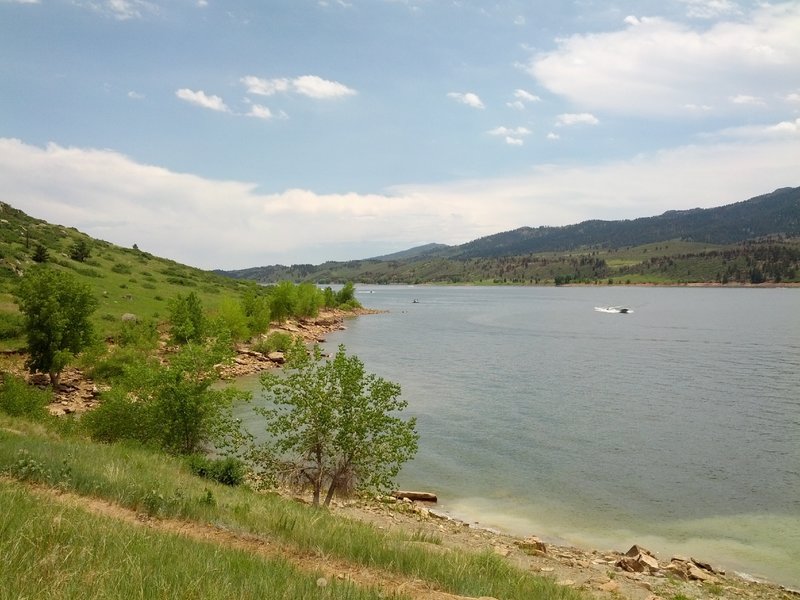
x=11 y=326
x=19 y=399
x=277 y=341
x=227 y=471
x=121 y=268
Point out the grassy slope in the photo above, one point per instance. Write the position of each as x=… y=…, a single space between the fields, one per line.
x=124 y=280
x=80 y=548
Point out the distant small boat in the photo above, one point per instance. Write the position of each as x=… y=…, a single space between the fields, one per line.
x=622 y=310
x=415 y=301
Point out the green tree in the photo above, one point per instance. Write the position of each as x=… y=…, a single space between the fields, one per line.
x=256 y=307
x=173 y=406
x=308 y=299
x=346 y=295
x=334 y=425
x=187 y=318
x=56 y=309
x=40 y=254
x=282 y=301
x=80 y=250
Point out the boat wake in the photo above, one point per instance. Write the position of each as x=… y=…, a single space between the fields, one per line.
x=623 y=310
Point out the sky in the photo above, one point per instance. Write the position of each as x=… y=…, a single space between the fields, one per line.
x=240 y=133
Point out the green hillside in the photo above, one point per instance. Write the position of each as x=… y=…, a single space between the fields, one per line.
x=124 y=280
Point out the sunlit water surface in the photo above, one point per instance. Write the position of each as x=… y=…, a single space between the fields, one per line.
x=676 y=427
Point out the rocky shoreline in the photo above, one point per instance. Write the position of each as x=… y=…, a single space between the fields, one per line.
x=635 y=574
x=77 y=392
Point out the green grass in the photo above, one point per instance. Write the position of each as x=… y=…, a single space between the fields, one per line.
x=161 y=486
x=54 y=551
x=124 y=280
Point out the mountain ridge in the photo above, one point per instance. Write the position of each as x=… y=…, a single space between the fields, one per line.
x=772 y=215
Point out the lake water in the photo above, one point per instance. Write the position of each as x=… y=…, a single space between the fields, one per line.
x=676 y=427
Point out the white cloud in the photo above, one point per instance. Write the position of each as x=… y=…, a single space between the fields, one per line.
x=468 y=98
x=521 y=98
x=316 y=87
x=657 y=67
x=553 y=136
x=265 y=87
x=748 y=100
x=709 y=9
x=260 y=112
x=783 y=129
x=200 y=98
x=306 y=85
x=519 y=20
x=20 y=1
x=794 y=97
x=511 y=135
x=121 y=10
x=229 y=224
x=135 y=95
x=567 y=119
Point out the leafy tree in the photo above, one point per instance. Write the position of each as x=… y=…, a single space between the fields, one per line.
x=256 y=309
x=347 y=294
x=232 y=319
x=187 y=318
x=308 y=299
x=282 y=300
x=56 y=309
x=335 y=425
x=40 y=254
x=80 y=250
x=173 y=406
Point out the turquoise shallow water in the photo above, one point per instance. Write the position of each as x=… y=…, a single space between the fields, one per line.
x=676 y=426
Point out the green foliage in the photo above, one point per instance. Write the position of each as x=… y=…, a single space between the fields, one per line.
x=227 y=471
x=40 y=254
x=138 y=334
x=19 y=399
x=282 y=300
x=80 y=250
x=255 y=305
x=231 y=318
x=187 y=318
x=173 y=406
x=121 y=268
x=307 y=301
x=277 y=341
x=336 y=424
x=12 y=325
x=346 y=295
x=56 y=309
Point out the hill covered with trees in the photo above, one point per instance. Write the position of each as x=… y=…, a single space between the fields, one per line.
x=753 y=241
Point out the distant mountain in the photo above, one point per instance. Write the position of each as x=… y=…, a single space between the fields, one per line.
x=416 y=252
x=770 y=214
x=773 y=216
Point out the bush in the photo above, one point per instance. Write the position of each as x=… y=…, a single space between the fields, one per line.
x=121 y=268
x=277 y=341
x=11 y=326
x=227 y=471
x=19 y=399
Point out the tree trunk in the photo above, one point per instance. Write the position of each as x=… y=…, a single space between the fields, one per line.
x=54 y=377
x=331 y=491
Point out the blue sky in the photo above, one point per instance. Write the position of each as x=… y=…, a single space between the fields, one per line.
x=243 y=133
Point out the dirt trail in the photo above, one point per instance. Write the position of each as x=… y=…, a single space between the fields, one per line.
x=327 y=567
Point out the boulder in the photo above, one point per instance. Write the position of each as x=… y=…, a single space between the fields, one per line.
x=532 y=545
x=277 y=357
x=129 y=318
x=421 y=496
